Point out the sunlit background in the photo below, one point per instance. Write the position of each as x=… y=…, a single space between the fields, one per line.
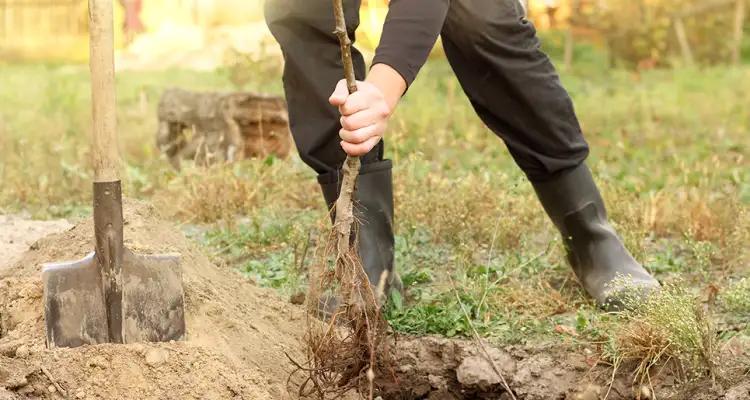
x=57 y=30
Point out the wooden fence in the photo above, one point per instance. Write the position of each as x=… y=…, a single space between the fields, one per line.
x=35 y=25
x=42 y=18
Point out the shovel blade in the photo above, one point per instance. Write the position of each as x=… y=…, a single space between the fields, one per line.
x=152 y=300
x=74 y=309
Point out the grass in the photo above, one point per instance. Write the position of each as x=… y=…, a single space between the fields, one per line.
x=670 y=150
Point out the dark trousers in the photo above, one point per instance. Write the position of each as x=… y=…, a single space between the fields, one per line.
x=493 y=51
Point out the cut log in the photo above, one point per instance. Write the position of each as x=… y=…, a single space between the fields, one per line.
x=210 y=127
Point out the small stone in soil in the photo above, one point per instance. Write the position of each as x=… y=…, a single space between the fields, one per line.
x=16 y=382
x=99 y=361
x=477 y=372
x=592 y=392
x=51 y=388
x=156 y=356
x=298 y=298
x=22 y=351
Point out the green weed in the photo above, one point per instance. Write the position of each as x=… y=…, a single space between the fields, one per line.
x=735 y=299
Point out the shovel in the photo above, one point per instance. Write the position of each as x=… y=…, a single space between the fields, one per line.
x=113 y=295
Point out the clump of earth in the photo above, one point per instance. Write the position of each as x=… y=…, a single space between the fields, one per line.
x=241 y=338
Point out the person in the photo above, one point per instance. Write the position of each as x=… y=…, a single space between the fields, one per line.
x=132 y=24
x=513 y=87
x=551 y=7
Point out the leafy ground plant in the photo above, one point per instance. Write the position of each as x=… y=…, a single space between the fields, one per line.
x=736 y=298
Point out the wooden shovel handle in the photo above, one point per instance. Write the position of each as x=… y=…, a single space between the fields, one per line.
x=102 y=65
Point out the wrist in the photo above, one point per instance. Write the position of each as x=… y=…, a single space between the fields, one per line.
x=389 y=82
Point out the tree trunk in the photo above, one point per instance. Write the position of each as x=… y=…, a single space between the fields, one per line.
x=739 y=25
x=687 y=52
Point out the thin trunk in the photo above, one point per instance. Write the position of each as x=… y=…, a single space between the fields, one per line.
x=687 y=52
x=350 y=169
x=739 y=25
x=569 y=38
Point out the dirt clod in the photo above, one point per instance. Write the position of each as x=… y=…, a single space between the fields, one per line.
x=156 y=356
x=591 y=392
x=739 y=392
x=645 y=393
x=477 y=372
x=22 y=351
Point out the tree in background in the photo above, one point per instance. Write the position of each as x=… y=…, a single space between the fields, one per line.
x=656 y=32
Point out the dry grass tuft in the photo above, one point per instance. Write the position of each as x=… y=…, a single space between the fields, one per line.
x=707 y=215
x=669 y=329
x=472 y=208
x=224 y=191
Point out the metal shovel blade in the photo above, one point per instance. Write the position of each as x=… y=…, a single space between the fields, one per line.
x=152 y=300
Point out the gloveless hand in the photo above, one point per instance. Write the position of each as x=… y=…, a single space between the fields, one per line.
x=364 y=116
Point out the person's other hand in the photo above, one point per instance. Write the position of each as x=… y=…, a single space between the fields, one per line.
x=364 y=116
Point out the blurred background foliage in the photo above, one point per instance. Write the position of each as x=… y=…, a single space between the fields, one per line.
x=633 y=33
x=643 y=32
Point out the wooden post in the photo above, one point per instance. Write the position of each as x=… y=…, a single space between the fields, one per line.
x=739 y=25
x=687 y=52
x=4 y=31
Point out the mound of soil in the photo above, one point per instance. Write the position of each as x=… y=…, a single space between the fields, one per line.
x=239 y=335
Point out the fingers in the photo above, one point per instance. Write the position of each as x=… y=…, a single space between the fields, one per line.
x=350 y=104
x=356 y=102
x=359 y=120
x=340 y=94
x=361 y=135
x=364 y=116
x=358 y=150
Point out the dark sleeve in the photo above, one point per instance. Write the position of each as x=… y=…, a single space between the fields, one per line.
x=409 y=34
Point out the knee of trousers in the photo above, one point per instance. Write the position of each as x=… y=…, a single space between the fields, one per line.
x=291 y=19
x=471 y=22
x=272 y=13
x=539 y=168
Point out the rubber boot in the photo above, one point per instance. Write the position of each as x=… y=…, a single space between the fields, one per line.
x=373 y=208
x=603 y=265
